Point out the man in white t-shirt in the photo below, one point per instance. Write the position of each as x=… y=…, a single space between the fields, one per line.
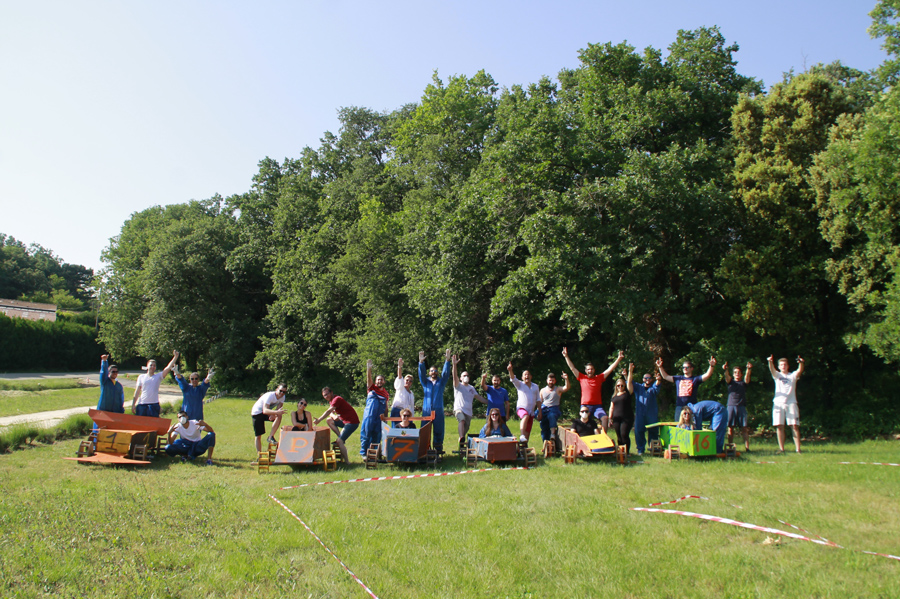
x=784 y=406
x=403 y=395
x=463 y=396
x=146 y=393
x=191 y=444
x=528 y=398
x=268 y=407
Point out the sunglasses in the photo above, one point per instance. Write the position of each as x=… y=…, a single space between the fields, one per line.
x=195 y=378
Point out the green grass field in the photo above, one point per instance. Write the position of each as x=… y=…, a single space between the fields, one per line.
x=187 y=530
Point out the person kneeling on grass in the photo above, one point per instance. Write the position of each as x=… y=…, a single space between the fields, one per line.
x=190 y=444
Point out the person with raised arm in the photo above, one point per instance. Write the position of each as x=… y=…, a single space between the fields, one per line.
x=269 y=407
x=529 y=395
x=686 y=385
x=551 y=397
x=403 y=395
x=433 y=401
x=376 y=407
x=591 y=385
x=339 y=415
x=192 y=393
x=190 y=444
x=463 y=396
x=497 y=395
x=737 y=402
x=112 y=394
x=146 y=393
x=784 y=405
x=645 y=408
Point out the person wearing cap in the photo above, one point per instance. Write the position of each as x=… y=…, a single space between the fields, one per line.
x=268 y=407
x=191 y=443
x=112 y=394
x=192 y=393
x=146 y=393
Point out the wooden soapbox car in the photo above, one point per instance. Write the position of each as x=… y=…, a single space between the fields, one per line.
x=301 y=448
x=123 y=439
x=403 y=445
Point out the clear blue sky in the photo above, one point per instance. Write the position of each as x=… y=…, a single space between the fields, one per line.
x=108 y=108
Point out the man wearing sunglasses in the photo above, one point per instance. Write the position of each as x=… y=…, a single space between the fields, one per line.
x=591 y=384
x=112 y=395
x=685 y=386
x=192 y=393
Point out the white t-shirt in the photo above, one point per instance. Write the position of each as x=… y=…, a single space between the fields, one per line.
x=191 y=432
x=785 y=388
x=528 y=395
x=149 y=388
x=268 y=400
x=403 y=397
x=463 y=397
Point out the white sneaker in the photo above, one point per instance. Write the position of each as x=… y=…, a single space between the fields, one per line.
x=523 y=439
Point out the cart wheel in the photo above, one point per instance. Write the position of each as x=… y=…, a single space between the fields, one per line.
x=655 y=448
x=530 y=457
x=372 y=457
x=471 y=458
x=329 y=460
x=570 y=454
x=730 y=450
x=263 y=461
x=621 y=456
x=549 y=448
x=673 y=453
x=431 y=457
x=86 y=449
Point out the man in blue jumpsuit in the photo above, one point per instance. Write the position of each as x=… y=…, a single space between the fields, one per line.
x=112 y=395
x=714 y=412
x=645 y=408
x=376 y=407
x=434 y=396
x=193 y=393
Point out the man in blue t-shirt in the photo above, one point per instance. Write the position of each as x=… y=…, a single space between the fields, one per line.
x=497 y=396
x=685 y=386
x=192 y=393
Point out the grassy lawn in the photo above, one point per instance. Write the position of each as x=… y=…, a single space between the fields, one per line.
x=185 y=530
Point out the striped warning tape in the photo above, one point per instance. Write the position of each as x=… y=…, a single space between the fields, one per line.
x=765 y=529
x=366 y=480
x=870 y=463
x=349 y=571
x=680 y=499
x=771 y=462
x=809 y=533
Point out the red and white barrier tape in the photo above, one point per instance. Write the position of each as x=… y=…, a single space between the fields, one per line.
x=771 y=462
x=809 y=533
x=679 y=499
x=870 y=463
x=349 y=571
x=765 y=529
x=366 y=480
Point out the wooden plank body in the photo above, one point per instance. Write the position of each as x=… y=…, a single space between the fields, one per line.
x=303 y=447
x=589 y=446
x=405 y=445
x=690 y=442
x=128 y=422
x=123 y=442
x=495 y=449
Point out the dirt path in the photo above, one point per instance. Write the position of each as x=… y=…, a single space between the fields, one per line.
x=54 y=417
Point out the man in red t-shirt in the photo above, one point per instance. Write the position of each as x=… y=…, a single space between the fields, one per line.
x=340 y=414
x=590 y=386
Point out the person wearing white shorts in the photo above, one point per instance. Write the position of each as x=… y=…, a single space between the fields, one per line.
x=784 y=406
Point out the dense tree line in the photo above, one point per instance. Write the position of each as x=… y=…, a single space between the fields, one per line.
x=665 y=206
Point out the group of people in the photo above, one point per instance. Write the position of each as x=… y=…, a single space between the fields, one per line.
x=632 y=405
x=185 y=437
